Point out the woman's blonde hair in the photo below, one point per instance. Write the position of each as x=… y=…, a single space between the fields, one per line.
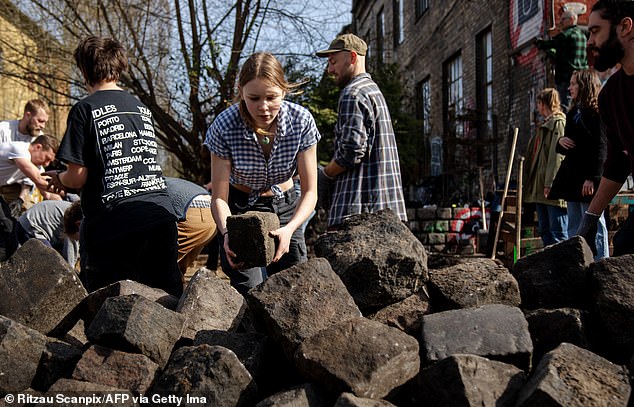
x=262 y=65
x=550 y=98
x=589 y=87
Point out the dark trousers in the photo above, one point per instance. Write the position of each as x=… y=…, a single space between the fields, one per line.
x=148 y=256
x=564 y=95
x=212 y=253
x=623 y=240
x=23 y=235
x=284 y=207
x=8 y=239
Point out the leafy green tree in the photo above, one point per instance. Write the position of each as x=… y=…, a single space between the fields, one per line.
x=320 y=96
x=407 y=128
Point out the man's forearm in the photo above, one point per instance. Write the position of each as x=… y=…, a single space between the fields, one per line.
x=74 y=177
x=31 y=171
x=333 y=169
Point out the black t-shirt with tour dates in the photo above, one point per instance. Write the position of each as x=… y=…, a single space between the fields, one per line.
x=111 y=133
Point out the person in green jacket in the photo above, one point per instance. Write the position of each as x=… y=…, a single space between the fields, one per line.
x=568 y=49
x=542 y=164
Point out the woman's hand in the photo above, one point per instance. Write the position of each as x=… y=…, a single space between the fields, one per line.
x=283 y=236
x=230 y=254
x=588 y=188
x=567 y=143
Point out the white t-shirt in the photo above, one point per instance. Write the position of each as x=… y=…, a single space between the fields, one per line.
x=9 y=172
x=9 y=132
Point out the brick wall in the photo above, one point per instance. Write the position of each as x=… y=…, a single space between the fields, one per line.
x=452 y=230
x=22 y=56
x=449 y=28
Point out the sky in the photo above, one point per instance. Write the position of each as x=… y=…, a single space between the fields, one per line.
x=324 y=20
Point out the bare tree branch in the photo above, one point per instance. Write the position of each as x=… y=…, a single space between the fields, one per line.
x=184 y=54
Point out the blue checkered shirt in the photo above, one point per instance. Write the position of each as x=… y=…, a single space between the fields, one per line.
x=366 y=146
x=230 y=138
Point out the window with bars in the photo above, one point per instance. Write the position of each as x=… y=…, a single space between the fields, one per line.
x=435 y=143
x=436 y=156
x=421 y=7
x=399 y=15
x=425 y=106
x=484 y=85
x=380 y=35
x=454 y=96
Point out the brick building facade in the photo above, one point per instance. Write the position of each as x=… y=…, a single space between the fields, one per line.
x=23 y=59
x=471 y=74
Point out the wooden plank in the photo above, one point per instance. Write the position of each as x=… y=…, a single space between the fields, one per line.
x=529 y=245
x=511 y=201
x=506 y=190
x=623 y=199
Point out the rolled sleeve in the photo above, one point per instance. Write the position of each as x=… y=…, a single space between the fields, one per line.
x=351 y=133
x=214 y=141
x=310 y=133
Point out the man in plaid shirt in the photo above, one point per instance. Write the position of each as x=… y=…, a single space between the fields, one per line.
x=569 y=48
x=365 y=170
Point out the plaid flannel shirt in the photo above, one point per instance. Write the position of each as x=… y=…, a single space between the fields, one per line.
x=365 y=145
x=570 y=52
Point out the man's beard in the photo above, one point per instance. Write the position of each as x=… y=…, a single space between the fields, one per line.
x=609 y=53
x=343 y=80
x=32 y=131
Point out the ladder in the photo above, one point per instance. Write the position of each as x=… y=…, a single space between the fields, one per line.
x=515 y=240
x=509 y=227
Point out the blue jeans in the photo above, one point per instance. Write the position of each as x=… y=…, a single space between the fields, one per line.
x=575 y=212
x=284 y=207
x=298 y=192
x=553 y=223
x=564 y=95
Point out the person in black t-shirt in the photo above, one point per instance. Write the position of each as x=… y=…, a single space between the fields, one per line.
x=129 y=229
x=611 y=26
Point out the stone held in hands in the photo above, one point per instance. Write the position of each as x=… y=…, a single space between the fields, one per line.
x=249 y=237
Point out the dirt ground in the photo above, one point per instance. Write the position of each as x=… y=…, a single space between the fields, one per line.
x=201 y=261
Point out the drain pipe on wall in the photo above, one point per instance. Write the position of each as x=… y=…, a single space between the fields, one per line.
x=552 y=16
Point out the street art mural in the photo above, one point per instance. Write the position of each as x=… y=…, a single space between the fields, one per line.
x=526 y=23
x=530 y=19
x=526 y=20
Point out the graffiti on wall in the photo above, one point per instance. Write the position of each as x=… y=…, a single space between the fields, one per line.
x=526 y=10
x=526 y=19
